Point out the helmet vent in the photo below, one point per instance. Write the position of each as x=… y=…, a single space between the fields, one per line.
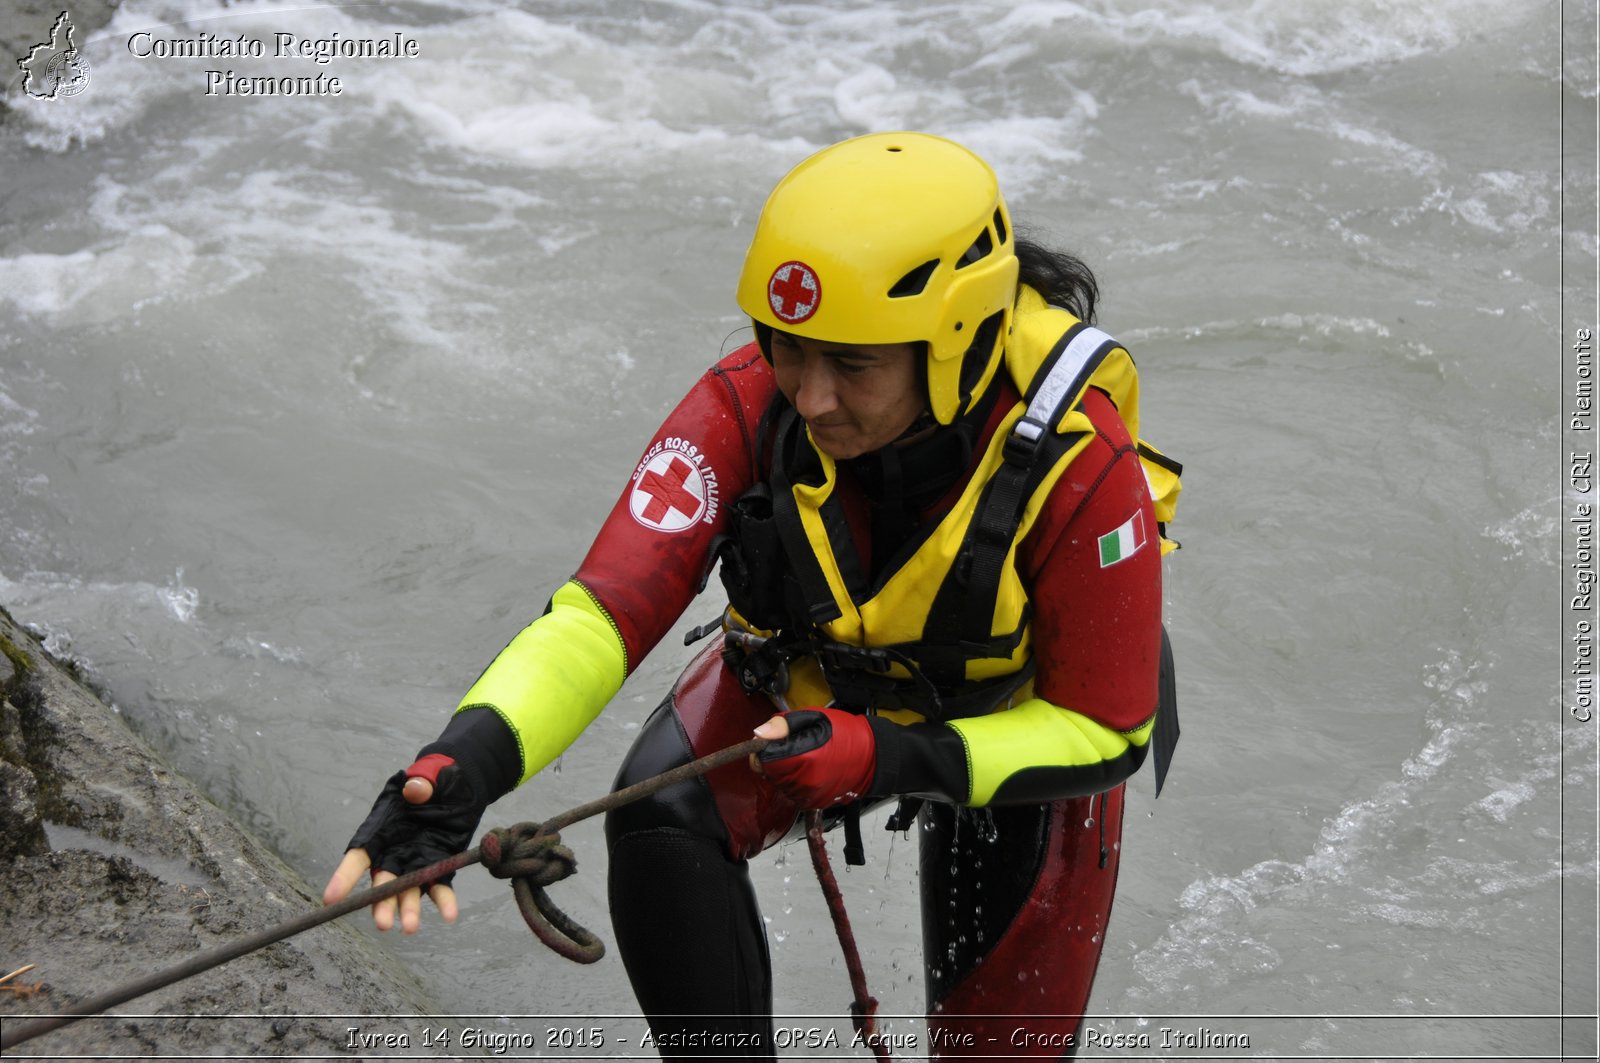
x=999 y=227
x=914 y=282
x=980 y=249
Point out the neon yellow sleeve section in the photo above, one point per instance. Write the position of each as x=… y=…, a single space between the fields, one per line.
x=1036 y=734
x=555 y=677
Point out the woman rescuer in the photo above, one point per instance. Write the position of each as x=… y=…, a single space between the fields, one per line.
x=935 y=523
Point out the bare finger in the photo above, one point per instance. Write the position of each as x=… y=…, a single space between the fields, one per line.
x=410 y=911
x=383 y=912
x=417 y=790
x=776 y=728
x=444 y=898
x=345 y=876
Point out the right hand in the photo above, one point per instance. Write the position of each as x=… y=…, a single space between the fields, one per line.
x=423 y=814
x=818 y=757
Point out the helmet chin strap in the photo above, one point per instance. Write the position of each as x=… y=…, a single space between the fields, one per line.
x=905 y=478
x=926 y=459
x=925 y=420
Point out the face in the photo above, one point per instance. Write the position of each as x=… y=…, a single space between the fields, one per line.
x=855 y=397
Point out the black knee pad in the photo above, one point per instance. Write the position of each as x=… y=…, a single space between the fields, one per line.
x=689 y=806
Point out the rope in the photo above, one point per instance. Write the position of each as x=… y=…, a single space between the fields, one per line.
x=864 y=1008
x=533 y=860
x=529 y=854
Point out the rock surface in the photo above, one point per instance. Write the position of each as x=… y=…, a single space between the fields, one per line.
x=112 y=867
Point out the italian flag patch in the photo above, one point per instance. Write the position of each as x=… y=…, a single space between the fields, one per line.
x=1124 y=542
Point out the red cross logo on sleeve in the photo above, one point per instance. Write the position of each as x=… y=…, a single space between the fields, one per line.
x=794 y=292
x=668 y=494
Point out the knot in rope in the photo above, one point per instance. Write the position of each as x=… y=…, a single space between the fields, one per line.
x=532 y=860
x=523 y=851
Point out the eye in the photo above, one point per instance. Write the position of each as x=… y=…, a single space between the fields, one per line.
x=784 y=351
x=852 y=368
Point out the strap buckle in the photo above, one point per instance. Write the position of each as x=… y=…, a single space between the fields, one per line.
x=1023 y=442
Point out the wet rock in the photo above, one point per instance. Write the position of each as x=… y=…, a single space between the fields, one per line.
x=21 y=830
x=113 y=867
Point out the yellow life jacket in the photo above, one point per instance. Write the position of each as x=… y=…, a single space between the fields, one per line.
x=945 y=632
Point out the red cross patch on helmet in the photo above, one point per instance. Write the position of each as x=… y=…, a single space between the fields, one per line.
x=794 y=292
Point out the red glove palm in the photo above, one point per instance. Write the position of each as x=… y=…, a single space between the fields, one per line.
x=829 y=757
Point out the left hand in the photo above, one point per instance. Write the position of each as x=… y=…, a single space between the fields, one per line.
x=422 y=815
x=818 y=757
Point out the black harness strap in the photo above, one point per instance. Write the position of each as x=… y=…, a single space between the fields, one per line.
x=819 y=602
x=963 y=608
x=1164 y=736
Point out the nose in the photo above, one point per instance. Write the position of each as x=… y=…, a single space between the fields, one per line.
x=818 y=393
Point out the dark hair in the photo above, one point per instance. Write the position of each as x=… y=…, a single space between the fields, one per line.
x=1062 y=279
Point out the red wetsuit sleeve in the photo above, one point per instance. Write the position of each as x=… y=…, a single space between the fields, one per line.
x=1094 y=563
x=646 y=564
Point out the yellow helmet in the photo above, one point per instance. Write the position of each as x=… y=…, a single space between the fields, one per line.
x=890 y=238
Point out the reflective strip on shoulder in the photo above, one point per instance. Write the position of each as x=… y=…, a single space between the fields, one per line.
x=1065 y=380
